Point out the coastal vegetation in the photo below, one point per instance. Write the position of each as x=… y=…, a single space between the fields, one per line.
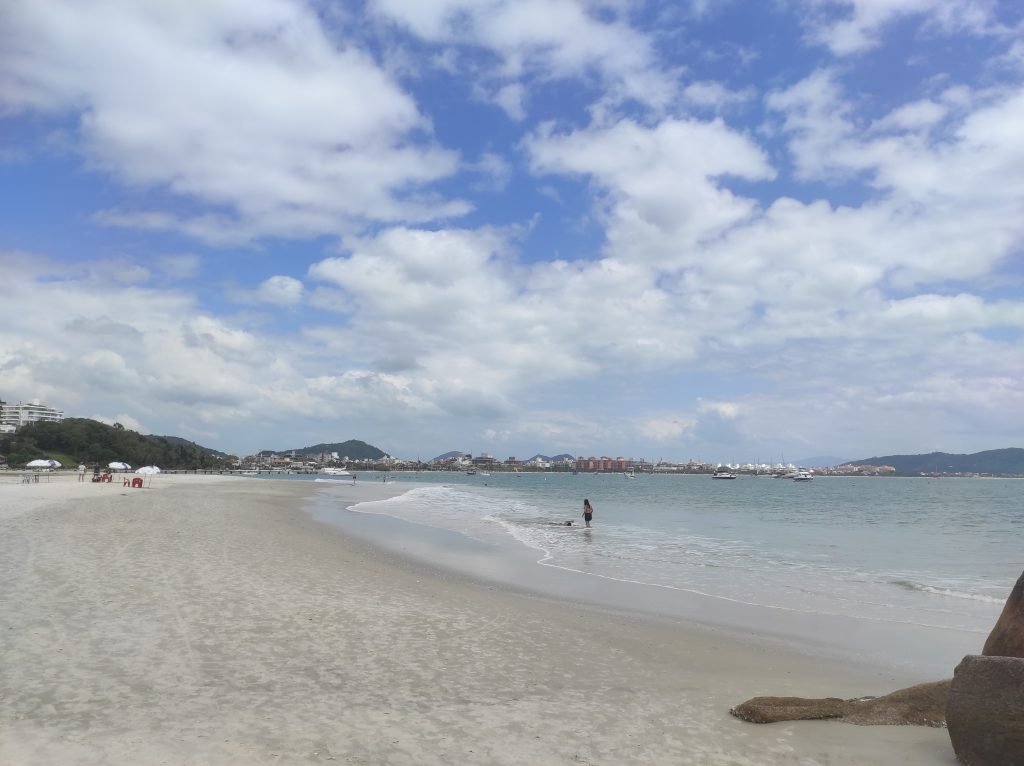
x=83 y=440
x=1002 y=462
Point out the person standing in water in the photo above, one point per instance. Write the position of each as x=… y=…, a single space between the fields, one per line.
x=588 y=512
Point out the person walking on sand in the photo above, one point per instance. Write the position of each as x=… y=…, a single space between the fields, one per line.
x=588 y=512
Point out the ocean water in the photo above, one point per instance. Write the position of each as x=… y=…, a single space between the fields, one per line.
x=941 y=553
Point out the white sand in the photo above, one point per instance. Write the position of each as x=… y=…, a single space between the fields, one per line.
x=210 y=621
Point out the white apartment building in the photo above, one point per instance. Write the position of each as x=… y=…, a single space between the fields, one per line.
x=14 y=416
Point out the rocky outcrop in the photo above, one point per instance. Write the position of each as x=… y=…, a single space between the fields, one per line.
x=1007 y=637
x=985 y=711
x=774 y=709
x=921 y=705
x=930 y=704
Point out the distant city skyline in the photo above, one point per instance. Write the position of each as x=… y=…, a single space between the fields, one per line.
x=681 y=229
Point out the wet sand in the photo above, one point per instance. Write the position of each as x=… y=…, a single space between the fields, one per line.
x=213 y=621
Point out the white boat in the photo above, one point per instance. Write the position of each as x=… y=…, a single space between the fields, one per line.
x=629 y=475
x=803 y=476
x=334 y=472
x=723 y=473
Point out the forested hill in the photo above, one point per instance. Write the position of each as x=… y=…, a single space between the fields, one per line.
x=82 y=440
x=1009 y=461
x=178 y=441
x=352 y=449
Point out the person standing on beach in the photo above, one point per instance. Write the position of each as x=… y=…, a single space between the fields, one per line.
x=588 y=512
x=81 y=472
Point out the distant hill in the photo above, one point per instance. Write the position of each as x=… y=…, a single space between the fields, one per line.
x=89 y=441
x=352 y=449
x=822 y=461
x=1009 y=461
x=555 y=459
x=447 y=456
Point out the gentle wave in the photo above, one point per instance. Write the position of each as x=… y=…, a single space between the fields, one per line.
x=731 y=549
x=949 y=593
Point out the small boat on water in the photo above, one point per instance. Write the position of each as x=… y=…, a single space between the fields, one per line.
x=334 y=472
x=803 y=476
x=723 y=473
x=471 y=472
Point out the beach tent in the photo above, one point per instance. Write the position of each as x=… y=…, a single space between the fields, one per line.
x=117 y=466
x=149 y=471
x=43 y=464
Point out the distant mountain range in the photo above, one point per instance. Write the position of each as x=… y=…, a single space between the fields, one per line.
x=352 y=449
x=1009 y=461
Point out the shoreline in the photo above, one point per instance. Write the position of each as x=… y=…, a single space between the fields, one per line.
x=216 y=622
x=913 y=651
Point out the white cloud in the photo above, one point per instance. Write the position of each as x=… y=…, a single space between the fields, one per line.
x=917 y=115
x=853 y=26
x=669 y=428
x=663 y=183
x=714 y=95
x=947 y=208
x=248 y=109
x=280 y=290
x=542 y=39
x=511 y=98
x=727 y=410
x=494 y=170
x=181 y=266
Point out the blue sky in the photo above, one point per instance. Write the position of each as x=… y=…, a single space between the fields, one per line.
x=724 y=230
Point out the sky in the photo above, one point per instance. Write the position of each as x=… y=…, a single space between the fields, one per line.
x=708 y=229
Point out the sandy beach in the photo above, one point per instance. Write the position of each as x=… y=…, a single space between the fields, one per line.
x=211 y=620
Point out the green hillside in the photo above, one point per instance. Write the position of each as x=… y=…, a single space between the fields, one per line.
x=179 y=442
x=1007 y=462
x=82 y=440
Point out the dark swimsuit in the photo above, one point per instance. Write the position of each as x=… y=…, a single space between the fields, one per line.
x=588 y=516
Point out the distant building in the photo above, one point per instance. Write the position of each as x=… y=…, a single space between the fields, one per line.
x=603 y=463
x=14 y=416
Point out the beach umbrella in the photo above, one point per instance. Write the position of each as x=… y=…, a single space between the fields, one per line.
x=149 y=471
x=118 y=466
x=41 y=463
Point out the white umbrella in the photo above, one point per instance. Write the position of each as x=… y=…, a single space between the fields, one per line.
x=43 y=464
x=149 y=471
x=117 y=466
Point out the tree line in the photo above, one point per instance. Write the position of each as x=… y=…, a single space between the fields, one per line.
x=95 y=443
